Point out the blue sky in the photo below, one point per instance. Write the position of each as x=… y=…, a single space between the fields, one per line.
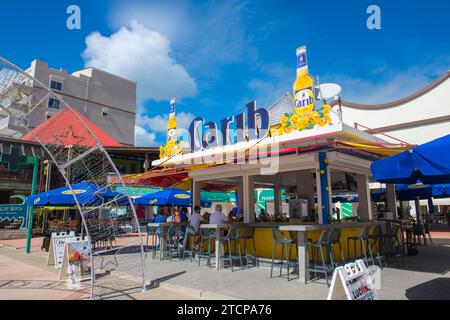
x=215 y=56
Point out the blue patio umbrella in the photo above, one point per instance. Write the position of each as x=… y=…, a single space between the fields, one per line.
x=405 y=193
x=86 y=193
x=428 y=163
x=167 y=197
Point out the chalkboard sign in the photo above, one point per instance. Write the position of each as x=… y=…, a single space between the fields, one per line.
x=353 y=282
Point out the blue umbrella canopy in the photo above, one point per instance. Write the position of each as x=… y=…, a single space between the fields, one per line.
x=86 y=193
x=428 y=163
x=405 y=193
x=167 y=197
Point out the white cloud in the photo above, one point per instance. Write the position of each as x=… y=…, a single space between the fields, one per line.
x=159 y=123
x=207 y=35
x=144 y=138
x=142 y=55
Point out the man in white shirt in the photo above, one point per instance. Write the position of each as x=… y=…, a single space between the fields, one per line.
x=218 y=217
x=196 y=218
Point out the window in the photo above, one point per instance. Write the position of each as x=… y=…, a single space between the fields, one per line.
x=56 y=85
x=105 y=112
x=53 y=103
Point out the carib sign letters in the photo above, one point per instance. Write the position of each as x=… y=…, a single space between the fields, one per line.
x=206 y=135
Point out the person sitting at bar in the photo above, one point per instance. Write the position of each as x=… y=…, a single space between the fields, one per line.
x=196 y=218
x=206 y=216
x=218 y=216
x=262 y=216
x=170 y=217
x=184 y=215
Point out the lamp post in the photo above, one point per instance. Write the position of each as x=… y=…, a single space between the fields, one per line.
x=35 y=162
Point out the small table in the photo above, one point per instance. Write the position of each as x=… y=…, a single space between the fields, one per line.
x=219 y=231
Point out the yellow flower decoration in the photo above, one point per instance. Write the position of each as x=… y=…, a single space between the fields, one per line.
x=283 y=119
x=294 y=118
x=322 y=122
x=313 y=117
x=326 y=108
x=303 y=123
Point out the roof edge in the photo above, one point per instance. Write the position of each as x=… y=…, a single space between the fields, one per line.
x=398 y=102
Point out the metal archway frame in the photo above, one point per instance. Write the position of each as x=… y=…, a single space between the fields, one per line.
x=93 y=164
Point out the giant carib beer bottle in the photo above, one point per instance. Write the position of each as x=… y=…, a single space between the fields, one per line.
x=172 y=135
x=303 y=85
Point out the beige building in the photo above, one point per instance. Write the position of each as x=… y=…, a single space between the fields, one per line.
x=109 y=101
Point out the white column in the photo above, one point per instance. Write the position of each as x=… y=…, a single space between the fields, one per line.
x=277 y=199
x=248 y=197
x=391 y=202
x=319 y=196
x=365 y=205
x=196 y=193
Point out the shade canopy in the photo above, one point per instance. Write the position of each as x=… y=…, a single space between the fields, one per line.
x=86 y=194
x=428 y=163
x=167 y=197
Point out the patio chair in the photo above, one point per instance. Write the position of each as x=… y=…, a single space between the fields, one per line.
x=286 y=245
x=205 y=235
x=326 y=263
x=173 y=242
x=152 y=233
x=363 y=240
x=377 y=237
x=335 y=239
x=233 y=235
x=189 y=233
x=248 y=234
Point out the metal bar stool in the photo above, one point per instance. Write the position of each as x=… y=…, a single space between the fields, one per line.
x=377 y=237
x=248 y=234
x=286 y=245
x=205 y=235
x=335 y=239
x=363 y=240
x=172 y=242
x=321 y=246
x=152 y=233
x=233 y=235
x=190 y=232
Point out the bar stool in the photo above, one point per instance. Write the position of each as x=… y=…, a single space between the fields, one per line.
x=247 y=234
x=280 y=239
x=189 y=232
x=377 y=237
x=391 y=242
x=205 y=235
x=335 y=239
x=426 y=227
x=363 y=239
x=233 y=235
x=152 y=233
x=172 y=242
x=319 y=246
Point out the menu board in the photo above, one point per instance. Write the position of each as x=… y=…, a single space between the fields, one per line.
x=56 y=249
x=77 y=260
x=353 y=282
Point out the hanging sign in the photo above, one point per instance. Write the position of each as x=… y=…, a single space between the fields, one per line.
x=352 y=282
x=56 y=249
x=76 y=260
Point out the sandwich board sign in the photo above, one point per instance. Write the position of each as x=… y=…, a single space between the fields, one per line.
x=352 y=282
x=76 y=260
x=56 y=249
